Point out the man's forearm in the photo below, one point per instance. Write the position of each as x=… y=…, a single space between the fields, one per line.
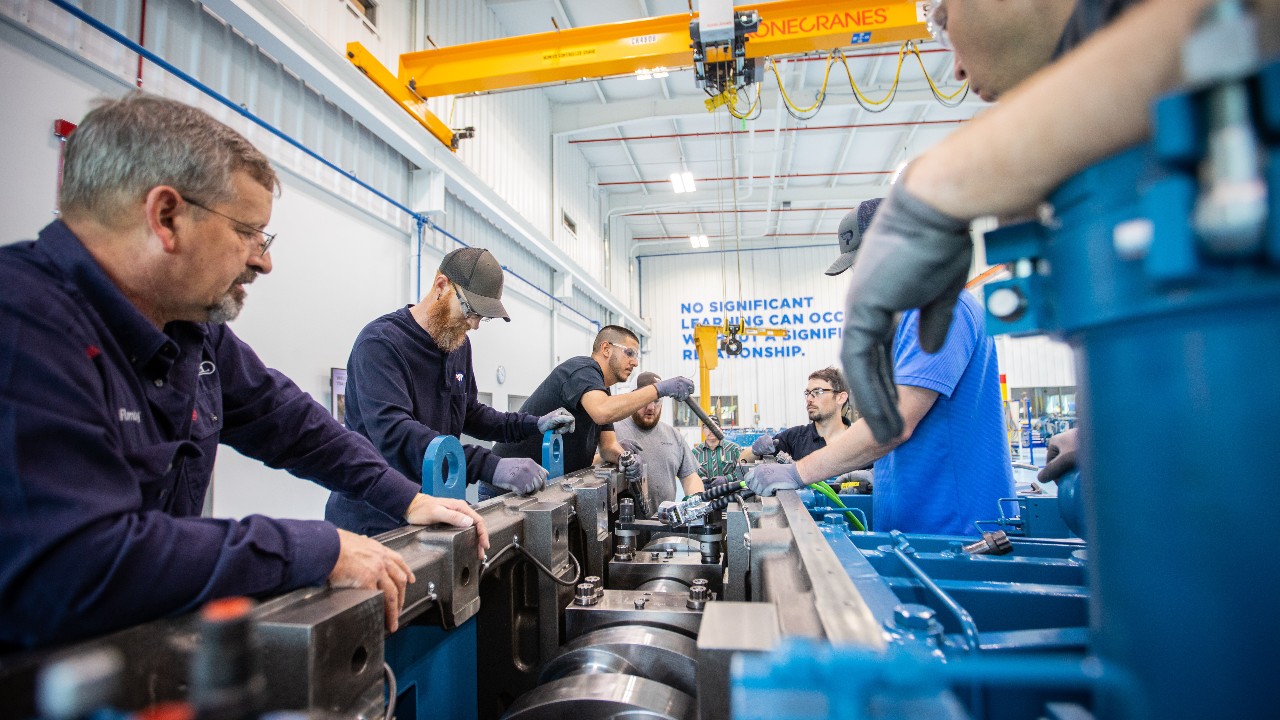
x=617 y=407
x=1093 y=103
x=853 y=448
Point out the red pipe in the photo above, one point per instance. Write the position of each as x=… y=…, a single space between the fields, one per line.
x=730 y=237
x=769 y=130
x=142 y=38
x=730 y=212
x=753 y=177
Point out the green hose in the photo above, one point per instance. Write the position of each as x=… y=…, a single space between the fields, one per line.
x=831 y=495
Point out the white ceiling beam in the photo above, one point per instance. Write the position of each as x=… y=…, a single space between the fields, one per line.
x=573 y=119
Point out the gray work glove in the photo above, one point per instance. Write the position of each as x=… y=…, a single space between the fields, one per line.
x=519 y=475
x=1060 y=456
x=559 y=420
x=768 y=478
x=676 y=387
x=764 y=446
x=632 y=466
x=911 y=256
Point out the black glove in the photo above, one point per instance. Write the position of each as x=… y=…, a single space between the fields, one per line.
x=519 y=475
x=911 y=256
x=675 y=387
x=1060 y=456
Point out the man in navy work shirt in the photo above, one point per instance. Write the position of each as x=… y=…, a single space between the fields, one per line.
x=825 y=399
x=951 y=465
x=581 y=384
x=410 y=380
x=119 y=377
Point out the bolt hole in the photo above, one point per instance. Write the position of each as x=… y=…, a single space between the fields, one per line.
x=465 y=578
x=359 y=660
x=556 y=534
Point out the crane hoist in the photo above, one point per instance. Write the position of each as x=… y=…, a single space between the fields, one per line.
x=710 y=340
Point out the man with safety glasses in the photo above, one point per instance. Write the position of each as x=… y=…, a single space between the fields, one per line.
x=825 y=398
x=410 y=379
x=582 y=384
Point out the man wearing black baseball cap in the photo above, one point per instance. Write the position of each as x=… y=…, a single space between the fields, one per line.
x=410 y=380
x=951 y=464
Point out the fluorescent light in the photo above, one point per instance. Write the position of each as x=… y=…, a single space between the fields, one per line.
x=682 y=182
x=698 y=241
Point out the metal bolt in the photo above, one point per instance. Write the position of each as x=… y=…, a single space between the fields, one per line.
x=640 y=602
x=671 y=552
x=1007 y=303
x=913 y=618
x=623 y=552
x=697 y=597
x=585 y=594
x=654 y=555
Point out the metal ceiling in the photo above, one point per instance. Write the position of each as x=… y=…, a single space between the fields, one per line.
x=772 y=181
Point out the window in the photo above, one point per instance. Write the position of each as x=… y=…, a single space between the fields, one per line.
x=569 y=223
x=724 y=410
x=366 y=10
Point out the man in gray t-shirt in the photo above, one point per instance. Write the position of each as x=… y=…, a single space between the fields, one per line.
x=665 y=452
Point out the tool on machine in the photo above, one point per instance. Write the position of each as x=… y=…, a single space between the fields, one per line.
x=697 y=507
x=637 y=482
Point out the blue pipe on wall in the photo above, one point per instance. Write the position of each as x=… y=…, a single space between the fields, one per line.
x=418 y=218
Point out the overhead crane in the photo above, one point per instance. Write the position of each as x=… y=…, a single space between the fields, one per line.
x=669 y=42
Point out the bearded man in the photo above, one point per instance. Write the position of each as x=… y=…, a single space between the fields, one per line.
x=410 y=380
x=669 y=464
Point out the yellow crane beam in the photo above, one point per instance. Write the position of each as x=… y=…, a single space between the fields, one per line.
x=706 y=342
x=787 y=27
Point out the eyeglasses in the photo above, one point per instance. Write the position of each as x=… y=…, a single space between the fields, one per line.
x=246 y=231
x=816 y=392
x=625 y=350
x=937 y=24
x=466 y=307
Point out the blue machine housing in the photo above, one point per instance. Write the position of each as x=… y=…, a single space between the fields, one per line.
x=1174 y=340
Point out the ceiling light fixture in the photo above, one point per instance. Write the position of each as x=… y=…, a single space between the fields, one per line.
x=682 y=181
x=698 y=241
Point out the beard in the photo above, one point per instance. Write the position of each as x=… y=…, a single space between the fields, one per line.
x=646 y=424
x=231 y=303
x=448 y=332
x=816 y=415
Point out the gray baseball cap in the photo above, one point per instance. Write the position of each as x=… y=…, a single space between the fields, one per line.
x=478 y=275
x=854 y=224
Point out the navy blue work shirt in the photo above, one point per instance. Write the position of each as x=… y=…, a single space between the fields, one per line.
x=403 y=391
x=108 y=432
x=564 y=387
x=801 y=440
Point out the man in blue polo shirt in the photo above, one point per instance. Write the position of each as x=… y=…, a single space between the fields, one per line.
x=950 y=466
x=410 y=380
x=119 y=378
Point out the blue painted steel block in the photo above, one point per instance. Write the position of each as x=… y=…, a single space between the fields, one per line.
x=444 y=468
x=553 y=454
x=435 y=671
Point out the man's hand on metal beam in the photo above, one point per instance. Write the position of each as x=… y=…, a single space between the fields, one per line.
x=912 y=256
x=366 y=563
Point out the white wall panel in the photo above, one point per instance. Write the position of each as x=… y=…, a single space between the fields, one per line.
x=767 y=386
x=1038 y=361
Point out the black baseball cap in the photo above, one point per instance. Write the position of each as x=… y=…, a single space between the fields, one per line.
x=478 y=275
x=854 y=224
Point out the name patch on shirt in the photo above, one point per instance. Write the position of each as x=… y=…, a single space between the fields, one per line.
x=134 y=416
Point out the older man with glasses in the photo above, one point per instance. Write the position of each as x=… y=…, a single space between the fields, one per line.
x=410 y=379
x=582 y=384
x=119 y=378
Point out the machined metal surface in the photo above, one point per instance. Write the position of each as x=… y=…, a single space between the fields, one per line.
x=729 y=628
x=586 y=697
x=815 y=595
x=653 y=653
x=618 y=607
x=682 y=567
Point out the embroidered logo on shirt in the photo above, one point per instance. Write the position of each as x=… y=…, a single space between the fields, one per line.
x=458 y=377
x=92 y=351
x=207 y=368
x=130 y=416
